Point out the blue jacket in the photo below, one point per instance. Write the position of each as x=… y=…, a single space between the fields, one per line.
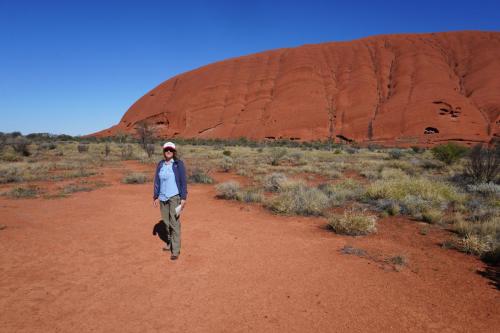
x=180 y=179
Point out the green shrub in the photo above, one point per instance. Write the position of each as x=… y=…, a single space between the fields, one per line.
x=353 y=223
x=449 y=152
x=135 y=178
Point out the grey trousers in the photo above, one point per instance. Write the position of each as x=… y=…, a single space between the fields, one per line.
x=167 y=209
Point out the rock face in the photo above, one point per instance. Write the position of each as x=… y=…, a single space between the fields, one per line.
x=388 y=89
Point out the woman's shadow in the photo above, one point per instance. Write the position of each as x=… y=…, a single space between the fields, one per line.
x=160 y=229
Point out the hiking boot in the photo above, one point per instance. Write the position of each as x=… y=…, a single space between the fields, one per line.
x=174 y=257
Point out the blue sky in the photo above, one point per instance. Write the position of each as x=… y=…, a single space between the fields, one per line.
x=75 y=67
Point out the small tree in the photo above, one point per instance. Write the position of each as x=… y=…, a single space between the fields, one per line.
x=121 y=137
x=107 y=149
x=150 y=149
x=449 y=152
x=483 y=163
x=20 y=145
x=146 y=133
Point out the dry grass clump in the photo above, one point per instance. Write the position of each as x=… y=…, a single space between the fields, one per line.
x=231 y=190
x=24 y=192
x=274 y=181
x=199 y=175
x=339 y=193
x=400 y=189
x=135 y=178
x=227 y=190
x=299 y=199
x=353 y=222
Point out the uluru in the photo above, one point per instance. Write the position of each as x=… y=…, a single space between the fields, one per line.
x=388 y=89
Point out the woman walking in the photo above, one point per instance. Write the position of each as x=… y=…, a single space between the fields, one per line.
x=170 y=190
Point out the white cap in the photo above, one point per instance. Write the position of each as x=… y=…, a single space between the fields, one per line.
x=169 y=145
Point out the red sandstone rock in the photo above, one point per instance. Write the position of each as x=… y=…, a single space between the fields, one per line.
x=390 y=89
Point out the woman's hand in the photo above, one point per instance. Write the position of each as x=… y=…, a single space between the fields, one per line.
x=183 y=203
x=155 y=202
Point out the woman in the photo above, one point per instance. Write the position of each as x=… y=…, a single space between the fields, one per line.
x=170 y=190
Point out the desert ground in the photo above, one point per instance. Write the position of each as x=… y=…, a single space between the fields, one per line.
x=79 y=256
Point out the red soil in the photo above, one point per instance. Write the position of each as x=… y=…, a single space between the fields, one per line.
x=89 y=263
x=392 y=89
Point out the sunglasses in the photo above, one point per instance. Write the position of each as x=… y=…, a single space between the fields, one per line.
x=169 y=149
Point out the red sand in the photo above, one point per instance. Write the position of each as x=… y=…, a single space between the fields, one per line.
x=389 y=89
x=89 y=263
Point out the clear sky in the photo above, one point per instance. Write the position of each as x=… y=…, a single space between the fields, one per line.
x=75 y=67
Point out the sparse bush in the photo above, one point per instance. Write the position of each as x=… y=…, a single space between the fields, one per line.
x=276 y=154
x=449 y=152
x=483 y=163
x=392 y=173
x=226 y=153
x=199 y=175
x=47 y=146
x=24 y=192
x=391 y=207
x=250 y=195
x=369 y=174
x=353 y=223
x=83 y=147
x=127 y=152
x=228 y=190
x=417 y=149
x=297 y=198
x=135 y=178
x=107 y=149
x=150 y=149
x=395 y=154
x=432 y=215
x=146 y=132
x=274 y=182
x=9 y=174
x=398 y=261
x=471 y=244
x=226 y=164
x=431 y=164
x=73 y=187
x=351 y=150
x=485 y=189
x=20 y=145
x=296 y=158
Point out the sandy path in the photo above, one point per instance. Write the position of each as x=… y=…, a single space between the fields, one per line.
x=88 y=263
